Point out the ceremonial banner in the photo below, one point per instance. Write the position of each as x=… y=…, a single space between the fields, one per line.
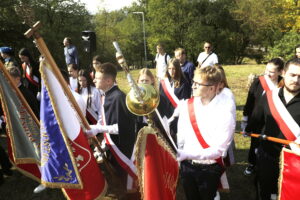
x=157 y=166
x=67 y=161
x=22 y=129
x=289 y=178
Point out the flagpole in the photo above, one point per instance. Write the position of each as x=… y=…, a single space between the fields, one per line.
x=265 y=137
x=19 y=94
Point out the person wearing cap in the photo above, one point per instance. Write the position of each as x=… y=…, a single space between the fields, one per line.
x=7 y=54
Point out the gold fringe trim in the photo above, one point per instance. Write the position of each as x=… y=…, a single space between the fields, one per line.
x=61 y=185
x=61 y=127
x=9 y=130
x=140 y=148
x=281 y=168
x=101 y=196
x=25 y=173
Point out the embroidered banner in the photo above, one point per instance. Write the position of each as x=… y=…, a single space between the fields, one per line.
x=67 y=160
x=157 y=166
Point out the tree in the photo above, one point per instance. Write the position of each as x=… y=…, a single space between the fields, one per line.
x=188 y=23
x=285 y=47
x=59 y=18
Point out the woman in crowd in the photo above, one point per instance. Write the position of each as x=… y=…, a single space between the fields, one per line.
x=91 y=96
x=270 y=80
x=173 y=88
x=146 y=77
x=95 y=63
x=31 y=74
x=73 y=76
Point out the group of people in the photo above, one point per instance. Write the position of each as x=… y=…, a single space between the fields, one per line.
x=196 y=100
x=272 y=109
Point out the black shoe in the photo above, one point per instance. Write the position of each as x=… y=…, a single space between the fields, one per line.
x=7 y=172
x=249 y=170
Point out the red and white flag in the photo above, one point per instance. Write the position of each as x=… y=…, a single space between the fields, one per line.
x=80 y=177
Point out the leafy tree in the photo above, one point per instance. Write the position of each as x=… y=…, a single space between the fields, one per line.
x=188 y=23
x=285 y=47
x=59 y=18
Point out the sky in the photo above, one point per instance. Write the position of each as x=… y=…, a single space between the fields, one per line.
x=93 y=5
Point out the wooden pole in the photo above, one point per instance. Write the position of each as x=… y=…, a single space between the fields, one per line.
x=19 y=94
x=265 y=137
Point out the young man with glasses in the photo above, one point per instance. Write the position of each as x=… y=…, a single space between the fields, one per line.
x=205 y=131
x=207 y=58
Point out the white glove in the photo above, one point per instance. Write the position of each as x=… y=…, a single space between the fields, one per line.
x=244 y=123
x=182 y=155
x=295 y=148
x=38 y=96
x=95 y=129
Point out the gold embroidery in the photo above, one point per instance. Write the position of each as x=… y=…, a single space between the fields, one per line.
x=46 y=150
x=67 y=176
x=170 y=183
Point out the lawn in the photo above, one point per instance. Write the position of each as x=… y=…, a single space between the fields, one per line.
x=19 y=187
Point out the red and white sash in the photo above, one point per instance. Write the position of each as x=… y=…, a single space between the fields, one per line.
x=91 y=115
x=266 y=83
x=283 y=118
x=126 y=163
x=32 y=79
x=203 y=143
x=169 y=91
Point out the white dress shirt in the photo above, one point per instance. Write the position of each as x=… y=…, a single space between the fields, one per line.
x=73 y=83
x=216 y=124
x=96 y=103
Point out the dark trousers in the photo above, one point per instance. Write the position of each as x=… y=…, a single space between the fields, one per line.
x=4 y=161
x=251 y=154
x=200 y=182
x=267 y=174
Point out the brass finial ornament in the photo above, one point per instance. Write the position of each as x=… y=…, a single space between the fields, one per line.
x=142 y=98
x=150 y=99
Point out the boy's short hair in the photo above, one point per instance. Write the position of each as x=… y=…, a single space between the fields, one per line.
x=108 y=70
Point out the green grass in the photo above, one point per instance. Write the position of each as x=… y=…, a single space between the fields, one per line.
x=19 y=187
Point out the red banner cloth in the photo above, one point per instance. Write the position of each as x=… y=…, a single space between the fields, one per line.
x=160 y=171
x=289 y=181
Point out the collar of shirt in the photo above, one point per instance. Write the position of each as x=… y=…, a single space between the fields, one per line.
x=293 y=100
x=109 y=90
